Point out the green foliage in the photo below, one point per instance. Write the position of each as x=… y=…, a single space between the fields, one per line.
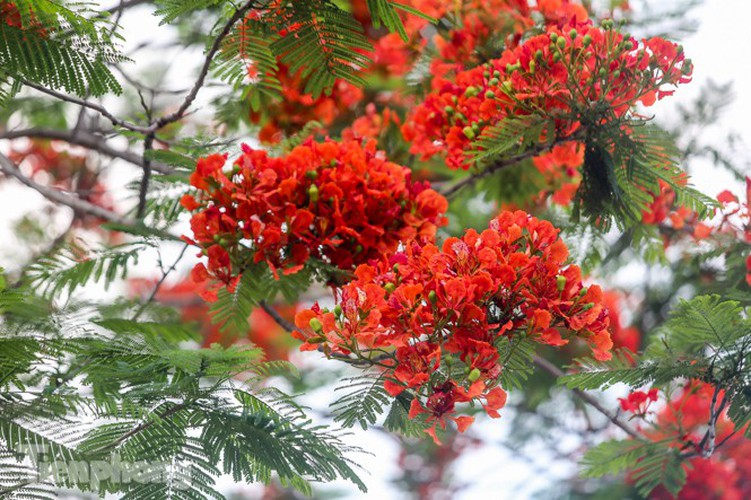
x=59 y=47
x=71 y=269
x=622 y=173
x=323 y=45
x=117 y=391
x=651 y=464
x=362 y=403
x=508 y=139
x=257 y=283
x=517 y=355
x=706 y=338
x=594 y=374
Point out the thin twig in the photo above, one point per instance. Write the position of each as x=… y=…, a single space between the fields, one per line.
x=91 y=105
x=504 y=163
x=160 y=283
x=215 y=47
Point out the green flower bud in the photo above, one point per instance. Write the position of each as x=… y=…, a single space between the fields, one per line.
x=395 y=268
x=532 y=64
x=469 y=133
x=473 y=375
x=573 y=33
x=311 y=174
x=358 y=249
x=538 y=54
x=561 y=42
x=557 y=57
x=449 y=110
x=587 y=40
x=315 y=325
x=603 y=73
x=554 y=37
x=471 y=91
x=496 y=74
x=687 y=67
x=432 y=297
x=337 y=310
x=560 y=282
x=313 y=193
x=507 y=87
x=628 y=45
x=389 y=287
x=489 y=94
x=493 y=82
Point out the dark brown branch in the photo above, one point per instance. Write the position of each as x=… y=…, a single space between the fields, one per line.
x=57 y=196
x=557 y=372
x=86 y=140
x=117 y=122
x=215 y=47
x=148 y=145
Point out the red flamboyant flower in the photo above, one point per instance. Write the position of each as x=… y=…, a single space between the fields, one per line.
x=289 y=114
x=341 y=203
x=576 y=75
x=425 y=309
x=638 y=402
x=623 y=337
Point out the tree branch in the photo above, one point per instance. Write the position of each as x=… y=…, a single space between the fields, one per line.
x=86 y=140
x=57 y=196
x=91 y=105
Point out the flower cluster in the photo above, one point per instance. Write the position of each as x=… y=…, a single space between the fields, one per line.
x=433 y=317
x=577 y=76
x=339 y=202
x=684 y=421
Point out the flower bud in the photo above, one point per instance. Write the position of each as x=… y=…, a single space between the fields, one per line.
x=560 y=282
x=432 y=297
x=389 y=287
x=587 y=40
x=532 y=64
x=573 y=33
x=489 y=94
x=449 y=110
x=337 y=310
x=315 y=325
x=311 y=174
x=493 y=82
x=313 y=193
x=469 y=133
x=507 y=87
x=561 y=42
x=473 y=375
